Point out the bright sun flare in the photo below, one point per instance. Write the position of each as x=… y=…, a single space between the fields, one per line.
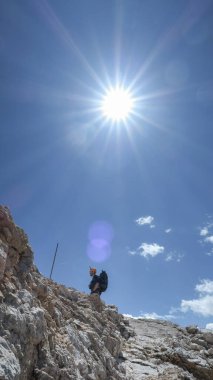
x=117 y=104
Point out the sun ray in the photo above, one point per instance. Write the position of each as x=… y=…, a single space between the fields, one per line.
x=56 y=25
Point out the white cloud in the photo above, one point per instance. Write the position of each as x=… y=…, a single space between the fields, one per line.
x=168 y=230
x=209 y=326
x=130 y=316
x=204 y=303
x=203 y=306
x=206 y=286
x=150 y=316
x=145 y=220
x=209 y=239
x=157 y=316
x=152 y=250
x=207 y=236
x=204 y=231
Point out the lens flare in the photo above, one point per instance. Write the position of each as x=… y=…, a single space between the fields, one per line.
x=100 y=238
x=98 y=250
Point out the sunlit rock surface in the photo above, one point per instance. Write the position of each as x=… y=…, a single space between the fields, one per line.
x=162 y=350
x=50 y=332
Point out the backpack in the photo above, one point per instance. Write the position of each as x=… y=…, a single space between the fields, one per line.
x=103 y=281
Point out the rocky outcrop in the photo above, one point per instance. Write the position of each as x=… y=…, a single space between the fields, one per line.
x=162 y=350
x=48 y=331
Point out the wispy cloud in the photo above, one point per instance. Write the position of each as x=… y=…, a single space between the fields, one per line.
x=145 y=220
x=132 y=252
x=179 y=258
x=173 y=256
x=152 y=250
x=168 y=230
x=169 y=257
x=204 y=303
x=210 y=253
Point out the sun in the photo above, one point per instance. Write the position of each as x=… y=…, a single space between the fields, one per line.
x=117 y=104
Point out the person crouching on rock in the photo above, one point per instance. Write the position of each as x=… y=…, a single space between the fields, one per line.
x=94 y=285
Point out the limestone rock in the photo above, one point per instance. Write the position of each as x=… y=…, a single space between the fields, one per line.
x=162 y=350
x=3 y=258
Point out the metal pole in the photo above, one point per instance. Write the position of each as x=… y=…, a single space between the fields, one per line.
x=53 y=261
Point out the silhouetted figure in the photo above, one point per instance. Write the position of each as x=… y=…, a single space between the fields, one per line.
x=94 y=285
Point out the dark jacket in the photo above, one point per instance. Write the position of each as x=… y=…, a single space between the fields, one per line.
x=94 y=281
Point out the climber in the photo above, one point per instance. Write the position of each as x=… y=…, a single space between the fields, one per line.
x=99 y=283
x=94 y=285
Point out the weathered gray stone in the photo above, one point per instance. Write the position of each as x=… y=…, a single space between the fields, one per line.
x=3 y=258
x=168 y=351
x=208 y=336
x=9 y=364
x=210 y=352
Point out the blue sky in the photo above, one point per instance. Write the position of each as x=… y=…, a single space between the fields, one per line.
x=133 y=197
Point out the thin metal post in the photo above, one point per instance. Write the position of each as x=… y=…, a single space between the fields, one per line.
x=53 y=261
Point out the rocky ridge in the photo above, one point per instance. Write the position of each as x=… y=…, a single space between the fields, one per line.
x=48 y=331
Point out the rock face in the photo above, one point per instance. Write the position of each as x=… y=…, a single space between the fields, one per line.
x=162 y=350
x=48 y=331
